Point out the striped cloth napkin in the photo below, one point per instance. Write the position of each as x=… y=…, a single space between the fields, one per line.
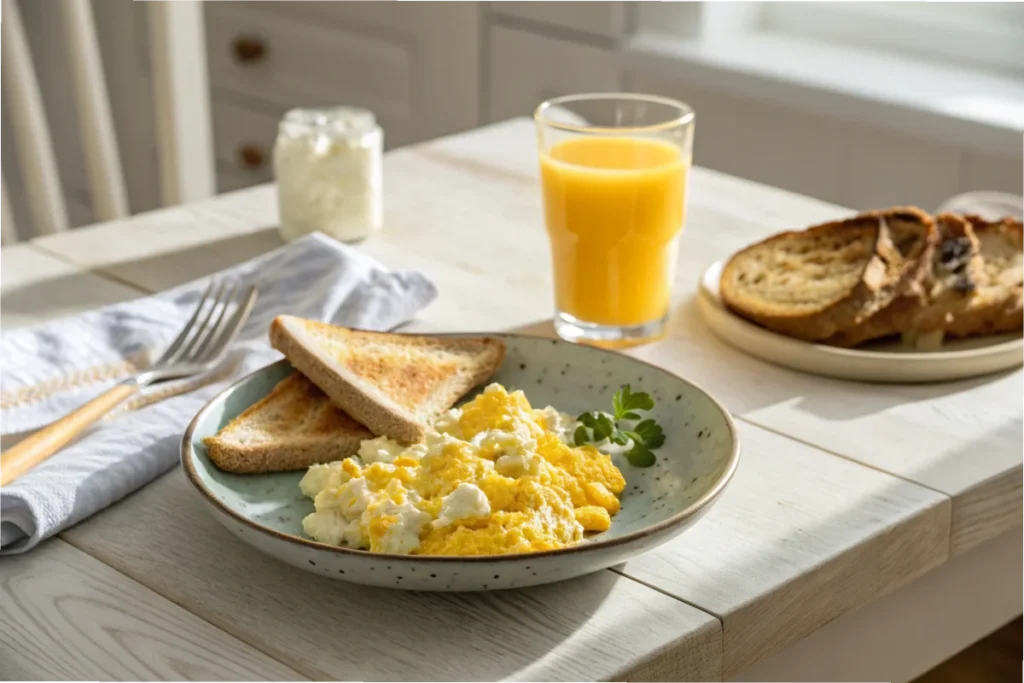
x=51 y=369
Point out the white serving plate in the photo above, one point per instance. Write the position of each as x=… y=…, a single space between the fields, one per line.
x=878 y=362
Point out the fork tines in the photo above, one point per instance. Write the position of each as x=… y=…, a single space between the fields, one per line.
x=222 y=310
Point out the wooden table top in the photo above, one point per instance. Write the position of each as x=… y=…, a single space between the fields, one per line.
x=845 y=492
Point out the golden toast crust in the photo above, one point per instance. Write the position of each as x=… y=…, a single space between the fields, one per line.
x=393 y=383
x=291 y=428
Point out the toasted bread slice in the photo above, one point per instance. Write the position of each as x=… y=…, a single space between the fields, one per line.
x=817 y=282
x=395 y=384
x=1002 y=278
x=947 y=292
x=291 y=428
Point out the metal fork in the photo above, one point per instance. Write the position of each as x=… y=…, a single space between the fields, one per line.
x=201 y=346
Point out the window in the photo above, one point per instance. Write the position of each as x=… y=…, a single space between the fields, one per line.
x=988 y=35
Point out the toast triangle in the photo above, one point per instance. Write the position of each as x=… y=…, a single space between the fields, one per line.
x=291 y=428
x=395 y=384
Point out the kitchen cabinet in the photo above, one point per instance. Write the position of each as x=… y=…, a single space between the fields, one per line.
x=431 y=69
x=415 y=65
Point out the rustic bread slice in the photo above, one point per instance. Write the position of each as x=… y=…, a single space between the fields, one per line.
x=291 y=428
x=395 y=384
x=1002 y=278
x=814 y=283
x=946 y=293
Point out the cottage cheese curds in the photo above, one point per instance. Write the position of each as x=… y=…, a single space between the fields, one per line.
x=492 y=477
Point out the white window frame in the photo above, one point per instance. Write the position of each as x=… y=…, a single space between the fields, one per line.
x=982 y=35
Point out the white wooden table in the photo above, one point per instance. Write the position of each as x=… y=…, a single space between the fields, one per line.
x=870 y=532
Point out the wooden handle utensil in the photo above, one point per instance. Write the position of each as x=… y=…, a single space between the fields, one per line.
x=25 y=455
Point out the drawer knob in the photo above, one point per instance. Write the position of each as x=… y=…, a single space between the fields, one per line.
x=251 y=156
x=249 y=49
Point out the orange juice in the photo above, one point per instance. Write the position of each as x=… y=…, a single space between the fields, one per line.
x=614 y=206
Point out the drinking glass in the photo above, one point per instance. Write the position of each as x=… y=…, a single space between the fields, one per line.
x=614 y=171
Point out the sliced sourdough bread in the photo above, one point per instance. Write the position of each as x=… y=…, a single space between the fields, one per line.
x=946 y=296
x=1002 y=277
x=291 y=428
x=814 y=283
x=395 y=384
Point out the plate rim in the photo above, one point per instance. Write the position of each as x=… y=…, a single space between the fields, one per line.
x=918 y=357
x=695 y=508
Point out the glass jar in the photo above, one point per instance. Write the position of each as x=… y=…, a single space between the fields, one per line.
x=328 y=168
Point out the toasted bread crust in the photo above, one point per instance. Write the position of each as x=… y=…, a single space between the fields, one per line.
x=393 y=395
x=945 y=293
x=1002 y=243
x=887 y=250
x=291 y=428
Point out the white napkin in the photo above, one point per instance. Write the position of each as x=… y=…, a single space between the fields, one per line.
x=51 y=369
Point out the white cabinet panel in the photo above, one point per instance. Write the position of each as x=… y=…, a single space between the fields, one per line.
x=600 y=18
x=888 y=169
x=292 y=63
x=714 y=140
x=985 y=172
x=527 y=69
x=415 y=66
x=244 y=142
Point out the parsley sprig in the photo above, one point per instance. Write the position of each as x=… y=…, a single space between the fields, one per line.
x=625 y=425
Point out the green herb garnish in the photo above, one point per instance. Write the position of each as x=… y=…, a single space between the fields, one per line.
x=645 y=436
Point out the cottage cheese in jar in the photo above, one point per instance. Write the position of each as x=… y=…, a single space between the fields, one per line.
x=328 y=168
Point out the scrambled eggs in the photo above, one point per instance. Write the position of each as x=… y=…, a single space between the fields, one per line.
x=493 y=477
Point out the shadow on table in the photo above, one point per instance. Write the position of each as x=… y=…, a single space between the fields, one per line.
x=541 y=328
x=172 y=268
x=293 y=615
x=78 y=293
x=505 y=634
x=63 y=295
x=747 y=384
x=838 y=527
x=992 y=504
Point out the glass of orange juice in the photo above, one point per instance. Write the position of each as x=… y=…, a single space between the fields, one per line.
x=614 y=170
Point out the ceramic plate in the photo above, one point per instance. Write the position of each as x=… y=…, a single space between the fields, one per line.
x=698 y=458
x=877 y=362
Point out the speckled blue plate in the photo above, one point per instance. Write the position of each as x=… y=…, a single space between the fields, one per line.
x=700 y=454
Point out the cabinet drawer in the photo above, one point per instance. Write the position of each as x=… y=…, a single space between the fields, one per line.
x=527 y=69
x=599 y=18
x=243 y=141
x=292 y=64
